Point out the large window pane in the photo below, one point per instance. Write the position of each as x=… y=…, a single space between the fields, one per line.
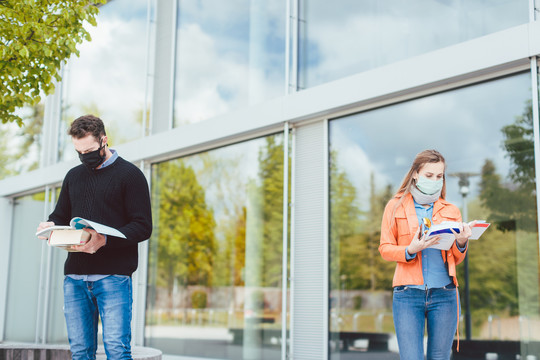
x=215 y=265
x=229 y=54
x=341 y=38
x=485 y=133
x=108 y=78
x=24 y=269
x=20 y=149
x=56 y=324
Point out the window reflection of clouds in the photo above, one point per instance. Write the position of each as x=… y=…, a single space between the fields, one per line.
x=464 y=125
x=229 y=54
x=108 y=77
x=375 y=33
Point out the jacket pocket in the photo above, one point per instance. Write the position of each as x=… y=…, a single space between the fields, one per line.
x=403 y=232
x=449 y=214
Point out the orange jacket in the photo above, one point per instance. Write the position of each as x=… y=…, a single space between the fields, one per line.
x=397 y=229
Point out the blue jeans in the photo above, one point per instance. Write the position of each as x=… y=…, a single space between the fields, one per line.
x=111 y=299
x=412 y=307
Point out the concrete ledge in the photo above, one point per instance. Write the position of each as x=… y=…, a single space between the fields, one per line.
x=61 y=352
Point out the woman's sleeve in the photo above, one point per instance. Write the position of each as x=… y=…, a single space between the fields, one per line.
x=389 y=247
x=458 y=255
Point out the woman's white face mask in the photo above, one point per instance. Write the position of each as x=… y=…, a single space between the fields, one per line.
x=427 y=186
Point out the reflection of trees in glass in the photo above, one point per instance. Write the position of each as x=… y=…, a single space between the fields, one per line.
x=226 y=190
x=354 y=235
x=185 y=229
x=200 y=213
x=492 y=272
x=504 y=263
x=5 y=157
x=22 y=149
x=271 y=190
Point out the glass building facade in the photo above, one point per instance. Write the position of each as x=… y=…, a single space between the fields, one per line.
x=272 y=134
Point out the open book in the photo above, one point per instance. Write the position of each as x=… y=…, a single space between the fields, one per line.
x=447 y=238
x=65 y=236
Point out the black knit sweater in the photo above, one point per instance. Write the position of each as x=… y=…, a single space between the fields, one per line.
x=116 y=196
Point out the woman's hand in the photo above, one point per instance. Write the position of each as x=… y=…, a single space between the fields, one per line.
x=465 y=231
x=420 y=243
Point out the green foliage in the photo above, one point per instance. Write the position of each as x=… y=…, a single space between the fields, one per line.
x=257 y=301
x=35 y=38
x=5 y=169
x=271 y=188
x=357 y=301
x=198 y=299
x=355 y=235
x=20 y=150
x=506 y=283
x=31 y=135
x=519 y=145
x=512 y=205
x=493 y=279
x=185 y=238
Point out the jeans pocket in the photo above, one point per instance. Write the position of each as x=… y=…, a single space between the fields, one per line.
x=450 y=286
x=400 y=288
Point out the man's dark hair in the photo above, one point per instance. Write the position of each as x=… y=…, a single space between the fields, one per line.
x=85 y=125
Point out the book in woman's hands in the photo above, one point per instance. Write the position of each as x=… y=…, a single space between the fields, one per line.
x=65 y=236
x=447 y=237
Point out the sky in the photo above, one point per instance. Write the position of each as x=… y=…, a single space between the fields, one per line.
x=373 y=33
x=463 y=124
x=109 y=75
x=229 y=54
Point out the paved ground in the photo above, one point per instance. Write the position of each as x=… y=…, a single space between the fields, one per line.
x=193 y=349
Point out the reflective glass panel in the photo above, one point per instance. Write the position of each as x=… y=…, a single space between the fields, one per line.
x=215 y=264
x=485 y=132
x=56 y=324
x=344 y=37
x=20 y=149
x=24 y=269
x=108 y=78
x=229 y=54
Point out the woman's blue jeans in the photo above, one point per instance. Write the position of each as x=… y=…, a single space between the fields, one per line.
x=412 y=307
x=111 y=298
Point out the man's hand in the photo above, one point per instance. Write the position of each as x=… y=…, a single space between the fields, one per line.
x=96 y=242
x=420 y=243
x=44 y=225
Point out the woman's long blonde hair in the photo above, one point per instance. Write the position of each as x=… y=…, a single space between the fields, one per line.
x=422 y=158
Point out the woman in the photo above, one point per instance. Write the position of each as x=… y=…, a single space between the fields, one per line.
x=425 y=283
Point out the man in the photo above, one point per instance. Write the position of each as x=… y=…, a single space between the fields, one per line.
x=109 y=190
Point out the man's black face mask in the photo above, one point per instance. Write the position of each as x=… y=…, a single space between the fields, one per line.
x=93 y=159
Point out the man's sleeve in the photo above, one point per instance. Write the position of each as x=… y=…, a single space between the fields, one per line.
x=62 y=211
x=136 y=201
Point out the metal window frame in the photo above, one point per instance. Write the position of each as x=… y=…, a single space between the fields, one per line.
x=535 y=79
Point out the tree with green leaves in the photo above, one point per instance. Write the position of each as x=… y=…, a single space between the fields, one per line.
x=355 y=234
x=36 y=37
x=271 y=192
x=511 y=203
x=507 y=284
x=186 y=245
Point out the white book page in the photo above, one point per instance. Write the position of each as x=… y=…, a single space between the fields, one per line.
x=47 y=231
x=78 y=223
